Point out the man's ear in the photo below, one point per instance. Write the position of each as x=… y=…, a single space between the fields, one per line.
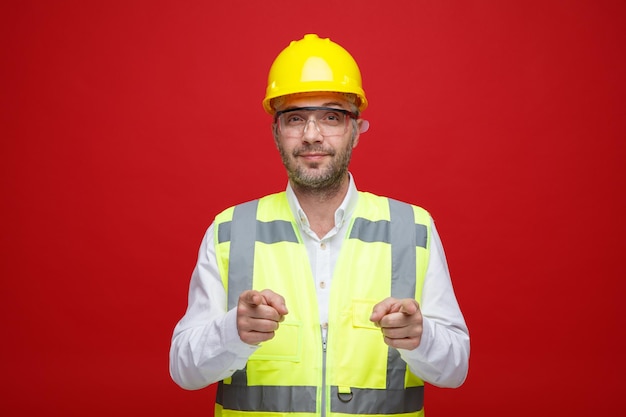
x=364 y=125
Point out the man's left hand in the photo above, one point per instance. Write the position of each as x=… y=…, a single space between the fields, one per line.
x=400 y=321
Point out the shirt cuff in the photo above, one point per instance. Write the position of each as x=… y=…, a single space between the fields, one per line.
x=232 y=341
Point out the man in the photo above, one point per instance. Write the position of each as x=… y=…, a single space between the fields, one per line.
x=320 y=300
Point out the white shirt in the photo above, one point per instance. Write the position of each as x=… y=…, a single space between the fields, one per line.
x=206 y=347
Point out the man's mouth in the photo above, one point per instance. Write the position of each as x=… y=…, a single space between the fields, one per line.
x=313 y=153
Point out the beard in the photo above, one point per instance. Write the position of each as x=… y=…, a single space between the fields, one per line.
x=315 y=176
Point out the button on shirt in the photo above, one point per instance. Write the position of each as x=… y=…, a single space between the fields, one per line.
x=323 y=253
x=206 y=346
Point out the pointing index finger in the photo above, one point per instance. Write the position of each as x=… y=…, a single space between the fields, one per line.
x=388 y=305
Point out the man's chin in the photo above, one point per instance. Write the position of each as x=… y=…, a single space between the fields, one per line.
x=315 y=180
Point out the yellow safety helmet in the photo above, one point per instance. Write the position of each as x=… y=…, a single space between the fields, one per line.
x=313 y=64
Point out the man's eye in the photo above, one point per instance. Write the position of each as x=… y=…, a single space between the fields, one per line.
x=332 y=117
x=294 y=119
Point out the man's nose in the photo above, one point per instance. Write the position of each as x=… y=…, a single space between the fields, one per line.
x=312 y=133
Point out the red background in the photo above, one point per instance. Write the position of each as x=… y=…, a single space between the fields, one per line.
x=127 y=125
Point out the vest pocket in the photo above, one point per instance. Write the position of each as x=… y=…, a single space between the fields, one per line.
x=285 y=346
x=358 y=355
x=361 y=312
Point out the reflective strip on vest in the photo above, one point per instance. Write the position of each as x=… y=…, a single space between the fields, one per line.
x=242 y=233
x=277 y=399
x=402 y=233
x=274 y=399
x=403 y=265
x=376 y=401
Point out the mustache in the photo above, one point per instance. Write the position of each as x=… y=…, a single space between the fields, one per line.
x=313 y=149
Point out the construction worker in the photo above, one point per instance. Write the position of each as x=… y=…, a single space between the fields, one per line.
x=320 y=300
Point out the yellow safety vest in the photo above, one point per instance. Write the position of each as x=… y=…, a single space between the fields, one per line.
x=385 y=253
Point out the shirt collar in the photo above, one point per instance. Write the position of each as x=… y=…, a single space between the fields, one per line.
x=342 y=214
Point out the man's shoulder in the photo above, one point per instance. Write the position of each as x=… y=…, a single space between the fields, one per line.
x=371 y=199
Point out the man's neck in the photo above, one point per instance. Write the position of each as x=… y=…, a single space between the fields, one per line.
x=320 y=205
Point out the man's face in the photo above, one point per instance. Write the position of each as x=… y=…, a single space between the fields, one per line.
x=315 y=161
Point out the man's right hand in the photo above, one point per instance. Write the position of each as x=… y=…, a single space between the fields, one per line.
x=258 y=315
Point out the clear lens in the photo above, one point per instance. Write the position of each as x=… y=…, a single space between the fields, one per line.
x=328 y=121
